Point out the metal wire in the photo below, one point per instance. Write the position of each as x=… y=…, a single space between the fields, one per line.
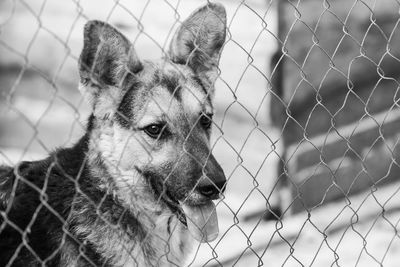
x=307 y=135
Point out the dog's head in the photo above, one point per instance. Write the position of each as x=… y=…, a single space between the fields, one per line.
x=153 y=120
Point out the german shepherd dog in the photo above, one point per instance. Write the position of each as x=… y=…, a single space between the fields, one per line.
x=137 y=188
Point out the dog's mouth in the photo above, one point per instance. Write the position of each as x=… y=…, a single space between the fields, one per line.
x=200 y=219
x=197 y=213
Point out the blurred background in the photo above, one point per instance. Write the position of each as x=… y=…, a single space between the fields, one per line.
x=307 y=108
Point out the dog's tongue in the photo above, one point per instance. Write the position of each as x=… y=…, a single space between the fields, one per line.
x=202 y=221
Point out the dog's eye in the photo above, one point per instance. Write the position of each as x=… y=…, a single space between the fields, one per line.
x=206 y=121
x=154 y=130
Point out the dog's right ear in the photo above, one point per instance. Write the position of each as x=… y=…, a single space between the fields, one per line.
x=106 y=58
x=199 y=40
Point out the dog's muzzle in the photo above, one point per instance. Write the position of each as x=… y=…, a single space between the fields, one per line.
x=199 y=208
x=194 y=204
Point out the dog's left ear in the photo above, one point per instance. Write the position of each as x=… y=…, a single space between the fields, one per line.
x=199 y=40
x=106 y=59
x=106 y=55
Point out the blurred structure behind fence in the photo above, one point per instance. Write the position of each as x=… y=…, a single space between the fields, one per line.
x=325 y=74
x=337 y=102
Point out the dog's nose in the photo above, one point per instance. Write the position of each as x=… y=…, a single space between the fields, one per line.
x=212 y=190
x=214 y=181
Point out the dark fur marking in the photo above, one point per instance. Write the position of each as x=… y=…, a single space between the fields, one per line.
x=203 y=87
x=124 y=114
x=89 y=250
x=179 y=60
x=107 y=75
x=169 y=225
x=170 y=81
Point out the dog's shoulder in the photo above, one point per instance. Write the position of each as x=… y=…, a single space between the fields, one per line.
x=36 y=198
x=14 y=180
x=18 y=202
x=7 y=177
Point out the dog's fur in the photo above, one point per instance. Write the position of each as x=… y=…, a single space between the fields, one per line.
x=113 y=198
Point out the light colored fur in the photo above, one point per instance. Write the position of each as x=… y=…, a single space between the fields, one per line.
x=122 y=149
x=169 y=248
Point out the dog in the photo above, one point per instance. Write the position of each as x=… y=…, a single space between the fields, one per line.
x=138 y=188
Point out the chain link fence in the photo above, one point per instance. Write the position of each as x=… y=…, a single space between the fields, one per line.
x=306 y=123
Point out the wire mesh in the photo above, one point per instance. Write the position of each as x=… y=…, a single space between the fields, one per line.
x=306 y=129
